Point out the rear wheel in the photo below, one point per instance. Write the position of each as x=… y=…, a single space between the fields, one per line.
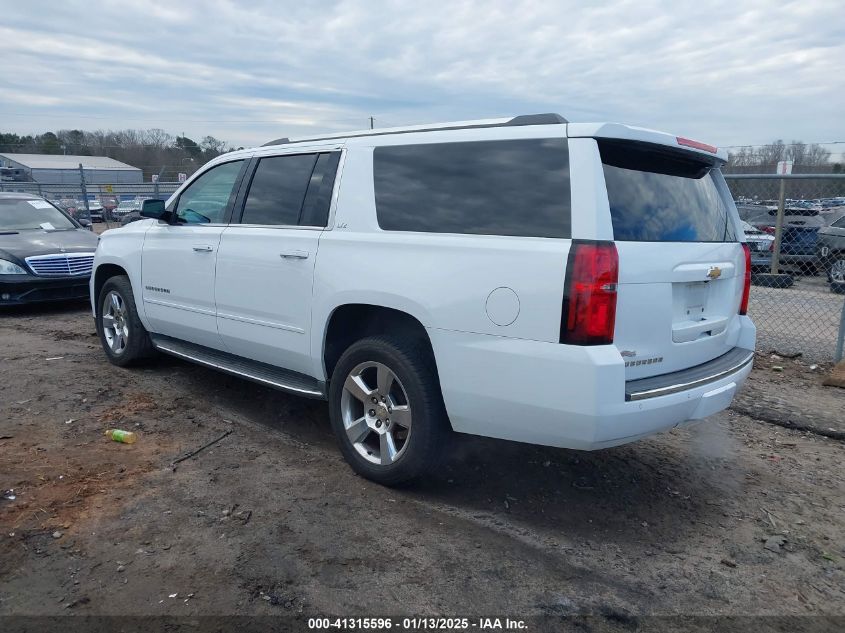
x=122 y=335
x=387 y=410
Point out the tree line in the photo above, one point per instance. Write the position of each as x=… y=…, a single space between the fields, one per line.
x=806 y=158
x=154 y=150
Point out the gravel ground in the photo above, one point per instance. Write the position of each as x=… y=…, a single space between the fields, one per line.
x=734 y=516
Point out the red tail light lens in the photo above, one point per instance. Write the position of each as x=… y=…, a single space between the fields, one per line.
x=589 y=295
x=746 y=290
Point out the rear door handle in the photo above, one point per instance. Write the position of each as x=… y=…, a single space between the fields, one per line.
x=294 y=254
x=203 y=248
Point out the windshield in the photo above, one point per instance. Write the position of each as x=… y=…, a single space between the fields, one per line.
x=20 y=215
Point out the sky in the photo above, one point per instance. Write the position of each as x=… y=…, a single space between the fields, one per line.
x=729 y=73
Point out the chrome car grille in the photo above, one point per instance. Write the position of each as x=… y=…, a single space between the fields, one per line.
x=61 y=264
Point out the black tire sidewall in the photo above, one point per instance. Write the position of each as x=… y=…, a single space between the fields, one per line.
x=415 y=371
x=138 y=346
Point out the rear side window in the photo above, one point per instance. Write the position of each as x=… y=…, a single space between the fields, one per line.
x=659 y=195
x=518 y=187
x=278 y=190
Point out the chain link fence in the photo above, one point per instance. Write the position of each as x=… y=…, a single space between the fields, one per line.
x=792 y=226
x=795 y=227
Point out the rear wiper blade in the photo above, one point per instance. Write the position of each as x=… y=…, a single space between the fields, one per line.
x=8 y=232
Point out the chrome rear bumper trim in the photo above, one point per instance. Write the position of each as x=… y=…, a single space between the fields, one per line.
x=697 y=376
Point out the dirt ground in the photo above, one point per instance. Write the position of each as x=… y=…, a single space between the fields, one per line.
x=733 y=516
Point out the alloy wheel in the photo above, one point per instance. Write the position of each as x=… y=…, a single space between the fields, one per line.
x=837 y=271
x=376 y=413
x=115 y=322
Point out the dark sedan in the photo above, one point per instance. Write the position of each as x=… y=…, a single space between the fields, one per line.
x=45 y=255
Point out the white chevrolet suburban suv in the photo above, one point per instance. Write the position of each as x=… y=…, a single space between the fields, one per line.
x=569 y=284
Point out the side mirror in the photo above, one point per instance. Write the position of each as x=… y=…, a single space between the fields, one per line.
x=153 y=209
x=85 y=223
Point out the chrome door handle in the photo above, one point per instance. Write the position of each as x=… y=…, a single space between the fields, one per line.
x=294 y=254
x=203 y=248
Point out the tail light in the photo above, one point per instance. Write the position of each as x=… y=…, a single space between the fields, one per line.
x=746 y=289
x=772 y=246
x=589 y=294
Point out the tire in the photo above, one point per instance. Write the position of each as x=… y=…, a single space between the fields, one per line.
x=837 y=288
x=836 y=270
x=135 y=342
x=771 y=281
x=413 y=451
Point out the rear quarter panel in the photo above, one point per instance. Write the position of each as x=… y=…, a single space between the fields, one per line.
x=443 y=280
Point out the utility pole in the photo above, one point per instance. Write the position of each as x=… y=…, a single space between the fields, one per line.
x=84 y=192
x=372 y=123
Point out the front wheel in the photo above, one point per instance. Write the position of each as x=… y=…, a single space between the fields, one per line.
x=122 y=335
x=387 y=410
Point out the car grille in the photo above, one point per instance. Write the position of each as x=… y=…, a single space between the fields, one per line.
x=61 y=264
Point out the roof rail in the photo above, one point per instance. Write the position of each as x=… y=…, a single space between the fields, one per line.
x=524 y=119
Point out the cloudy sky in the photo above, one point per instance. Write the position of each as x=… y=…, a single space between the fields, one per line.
x=733 y=72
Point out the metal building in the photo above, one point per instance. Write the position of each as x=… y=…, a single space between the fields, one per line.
x=62 y=169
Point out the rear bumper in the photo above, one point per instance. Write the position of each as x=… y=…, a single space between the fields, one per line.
x=698 y=376
x=24 y=289
x=569 y=396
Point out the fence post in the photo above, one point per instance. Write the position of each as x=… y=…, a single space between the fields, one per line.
x=84 y=191
x=779 y=227
x=841 y=338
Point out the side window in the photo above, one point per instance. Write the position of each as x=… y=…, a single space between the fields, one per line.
x=278 y=190
x=315 y=209
x=207 y=199
x=514 y=187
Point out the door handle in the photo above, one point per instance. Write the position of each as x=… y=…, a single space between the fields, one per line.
x=203 y=248
x=294 y=254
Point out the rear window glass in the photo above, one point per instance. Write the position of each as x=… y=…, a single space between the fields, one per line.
x=662 y=196
x=518 y=187
x=278 y=189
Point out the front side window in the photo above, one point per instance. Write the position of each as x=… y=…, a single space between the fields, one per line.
x=207 y=199
x=514 y=187
x=661 y=195
x=278 y=190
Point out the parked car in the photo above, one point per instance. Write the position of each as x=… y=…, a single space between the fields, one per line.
x=129 y=218
x=760 y=244
x=524 y=279
x=798 y=250
x=124 y=208
x=45 y=254
x=831 y=253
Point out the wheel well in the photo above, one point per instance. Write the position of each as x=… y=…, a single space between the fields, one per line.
x=350 y=323
x=103 y=274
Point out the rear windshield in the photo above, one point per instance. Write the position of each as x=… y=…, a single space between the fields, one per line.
x=657 y=195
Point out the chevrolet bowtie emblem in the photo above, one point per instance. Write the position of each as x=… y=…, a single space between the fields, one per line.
x=715 y=272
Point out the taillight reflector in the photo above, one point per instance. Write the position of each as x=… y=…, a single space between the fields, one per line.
x=746 y=290
x=589 y=295
x=688 y=142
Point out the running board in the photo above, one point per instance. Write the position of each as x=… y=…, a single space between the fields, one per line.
x=262 y=373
